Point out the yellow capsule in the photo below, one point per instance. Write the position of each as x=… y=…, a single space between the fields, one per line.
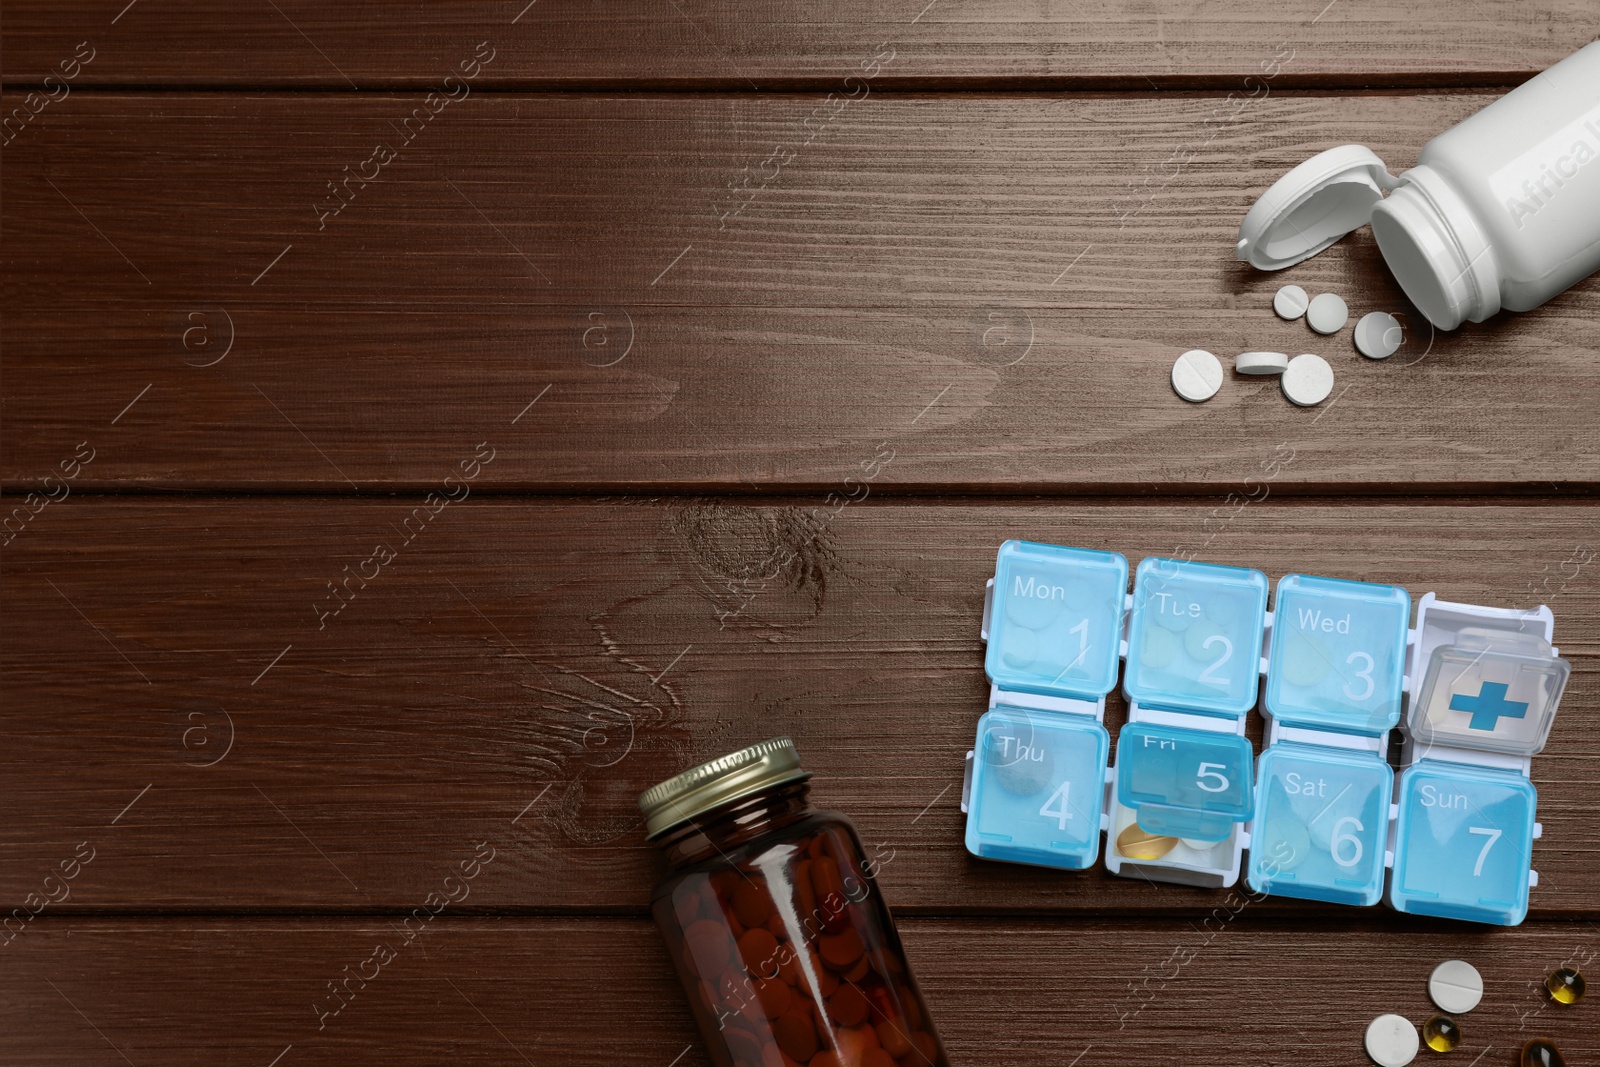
x=1441 y=1033
x=1542 y=1052
x=1566 y=985
x=1139 y=844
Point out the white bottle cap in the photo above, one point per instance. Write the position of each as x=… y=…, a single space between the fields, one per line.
x=1312 y=206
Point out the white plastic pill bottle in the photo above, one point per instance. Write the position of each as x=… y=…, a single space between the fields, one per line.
x=1501 y=211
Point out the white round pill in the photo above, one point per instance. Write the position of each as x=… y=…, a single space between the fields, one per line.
x=1456 y=986
x=1197 y=375
x=1261 y=363
x=1392 y=1041
x=1378 y=335
x=1290 y=302
x=1327 y=313
x=1308 y=380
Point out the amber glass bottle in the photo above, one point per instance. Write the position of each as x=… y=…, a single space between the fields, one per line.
x=777 y=930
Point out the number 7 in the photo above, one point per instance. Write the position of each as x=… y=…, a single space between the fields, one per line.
x=1493 y=836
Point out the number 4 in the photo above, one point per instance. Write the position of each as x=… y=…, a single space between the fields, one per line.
x=1493 y=836
x=1059 y=813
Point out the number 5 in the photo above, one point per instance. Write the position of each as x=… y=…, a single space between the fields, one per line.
x=1493 y=836
x=1215 y=773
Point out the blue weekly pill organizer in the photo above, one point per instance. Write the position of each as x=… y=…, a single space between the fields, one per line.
x=1335 y=667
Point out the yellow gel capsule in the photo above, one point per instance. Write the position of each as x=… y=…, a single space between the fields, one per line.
x=1542 y=1052
x=1139 y=844
x=1441 y=1034
x=1566 y=985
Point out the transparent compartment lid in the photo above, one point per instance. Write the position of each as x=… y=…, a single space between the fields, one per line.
x=1493 y=690
x=1055 y=625
x=1194 y=642
x=1037 y=788
x=1338 y=654
x=1322 y=823
x=1184 y=783
x=1463 y=843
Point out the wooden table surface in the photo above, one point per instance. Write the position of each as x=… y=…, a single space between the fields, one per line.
x=403 y=402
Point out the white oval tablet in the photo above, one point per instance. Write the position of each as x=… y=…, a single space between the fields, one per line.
x=1197 y=375
x=1308 y=380
x=1327 y=313
x=1392 y=1041
x=1290 y=302
x=1456 y=986
x=1261 y=363
x=1378 y=335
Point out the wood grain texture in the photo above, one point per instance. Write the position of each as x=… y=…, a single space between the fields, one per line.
x=520 y=670
x=793 y=43
x=1231 y=989
x=997 y=286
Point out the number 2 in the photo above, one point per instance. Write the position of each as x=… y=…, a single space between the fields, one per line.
x=1227 y=654
x=1060 y=813
x=1493 y=836
x=1365 y=674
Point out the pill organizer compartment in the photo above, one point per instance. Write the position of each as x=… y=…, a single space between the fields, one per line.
x=1322 y=823
x=1037 y=782
x=1194 y=639
x=1183 y=784
x=1036 y=779
x=1335 y=677
x=1487 y=683
x=1183 y=770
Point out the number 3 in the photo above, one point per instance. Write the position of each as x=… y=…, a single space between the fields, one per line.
x=1365 y=674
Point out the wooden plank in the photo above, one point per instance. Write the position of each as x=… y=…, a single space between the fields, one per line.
x=1223 y=989
x=884 y=287
x=566 y=43
x=520 y=670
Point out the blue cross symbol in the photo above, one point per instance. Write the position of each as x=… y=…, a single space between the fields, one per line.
x=1488 y=706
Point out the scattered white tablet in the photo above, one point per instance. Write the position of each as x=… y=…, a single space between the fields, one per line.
x=1327 y=313
x=1378 y=335
x=1290 y=302
x=1308 y=380
x=1261 y=363
x=1456 y=986
x=1392 y=1041
x=1197 y=375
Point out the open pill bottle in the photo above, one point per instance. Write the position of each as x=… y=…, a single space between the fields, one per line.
x=775 y=925
x=1502 y=210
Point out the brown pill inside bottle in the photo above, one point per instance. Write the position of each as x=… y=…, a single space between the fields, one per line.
x=751 y=903
x=848 y=1006
x=894 y=1034
x=877 y=1057
x=775 y=997
x=709 y=947
x=858 y=970
x=840 y=950
x=830 y=887
x=805 y=895
x=795 y=1035
x=759 y=950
